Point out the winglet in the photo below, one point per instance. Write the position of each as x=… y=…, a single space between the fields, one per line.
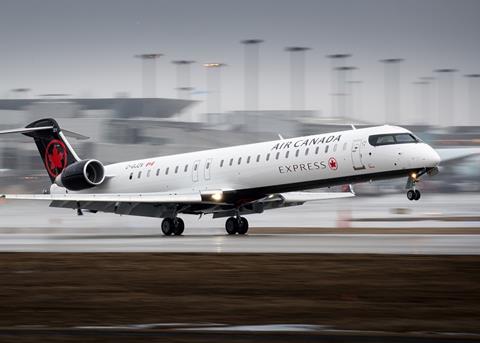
x=350 y=189
x=281 y=137
x=353 y=127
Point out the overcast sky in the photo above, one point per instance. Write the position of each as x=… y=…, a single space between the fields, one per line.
x=86 y=47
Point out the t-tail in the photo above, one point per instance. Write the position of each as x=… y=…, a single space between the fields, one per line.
x=55 y=150
x=62 y=163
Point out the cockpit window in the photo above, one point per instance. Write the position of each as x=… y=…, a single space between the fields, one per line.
x=405 y=138
x=392 y=138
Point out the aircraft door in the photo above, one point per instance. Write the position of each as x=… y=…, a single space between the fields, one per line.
x=357 y=155
x=208 y=166
x=196 y=165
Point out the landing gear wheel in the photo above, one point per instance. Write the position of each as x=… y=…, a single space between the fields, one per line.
x=231 y=225
x=411 y=195
x=242 y=226
x=168 y=226
x=417 y=194
x=179 y=226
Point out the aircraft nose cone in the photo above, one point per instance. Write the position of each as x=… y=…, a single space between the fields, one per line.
x=434 y=157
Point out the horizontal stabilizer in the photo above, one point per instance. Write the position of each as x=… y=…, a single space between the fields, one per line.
x=44 y=128
x=26 y=130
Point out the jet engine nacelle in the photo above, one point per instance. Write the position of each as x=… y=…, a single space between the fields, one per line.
x=81 y=175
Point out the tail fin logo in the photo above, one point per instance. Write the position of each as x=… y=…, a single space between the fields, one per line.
x=55 y=157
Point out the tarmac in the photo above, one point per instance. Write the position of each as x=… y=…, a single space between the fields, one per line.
x=34 y=227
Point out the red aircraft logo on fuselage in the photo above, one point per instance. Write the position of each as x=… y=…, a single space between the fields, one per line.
x=55 y=157
x=332 y=163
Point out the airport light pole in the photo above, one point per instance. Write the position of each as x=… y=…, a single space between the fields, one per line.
x=183 y=78
x=473 y=98
x=446 y=97
x=23 y=91
x=355 y=90
x=337 y=61
x=214 y=84
x=392 y=89
x=149 y=71
x=252 y=73
x=343 y=95
x=420 y=92
x=297 y=76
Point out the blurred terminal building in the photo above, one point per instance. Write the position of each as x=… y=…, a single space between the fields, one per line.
x=134 y=128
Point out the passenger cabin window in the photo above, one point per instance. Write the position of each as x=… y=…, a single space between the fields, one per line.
x=248 y=159
x=317 y=149
x=239 y=160
x=297 y=152
x=231 y=161
x=394 y=138
x=287 y=153
x=277 y=155
x=306 y=151
x=221 y=163
x=326 y=149
x=158 y=171
x=208 y=165
x=335 y=148
x=131 y=176
x=139 y=174
x=258 y=158
x=176 y=169
x=186 y=168
x=268 y=157
x=148 y=173
x=166 y=170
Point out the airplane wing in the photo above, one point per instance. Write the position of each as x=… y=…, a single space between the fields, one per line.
x=308 y=196
x=121 y=198
x=162 y=205
x=448 y=155
x=158 y=205
x=280 y=200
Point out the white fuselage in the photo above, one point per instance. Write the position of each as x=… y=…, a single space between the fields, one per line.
x=291 y=164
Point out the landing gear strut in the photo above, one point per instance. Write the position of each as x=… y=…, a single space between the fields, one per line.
x=174 y=226
x=235 y=225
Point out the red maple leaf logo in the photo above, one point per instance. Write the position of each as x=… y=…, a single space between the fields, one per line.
x=332 y=163
x=55 y=157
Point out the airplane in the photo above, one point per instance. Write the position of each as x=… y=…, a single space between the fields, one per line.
x=228 y=182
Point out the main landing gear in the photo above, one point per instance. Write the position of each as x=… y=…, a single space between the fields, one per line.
x=173 y=226
x=235 y=225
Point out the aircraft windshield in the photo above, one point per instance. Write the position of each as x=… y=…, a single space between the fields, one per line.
x=392 y=138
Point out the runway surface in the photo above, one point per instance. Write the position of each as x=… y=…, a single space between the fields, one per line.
x=34 y=227
x=255 y=243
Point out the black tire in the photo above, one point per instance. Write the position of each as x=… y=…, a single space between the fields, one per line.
x=167 y=226
x=411 y=195
x=242 y=226
x=179 y=227
x=231 y=225
x=417 y=194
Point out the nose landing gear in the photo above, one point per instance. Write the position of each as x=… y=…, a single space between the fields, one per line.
x=413 y=193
